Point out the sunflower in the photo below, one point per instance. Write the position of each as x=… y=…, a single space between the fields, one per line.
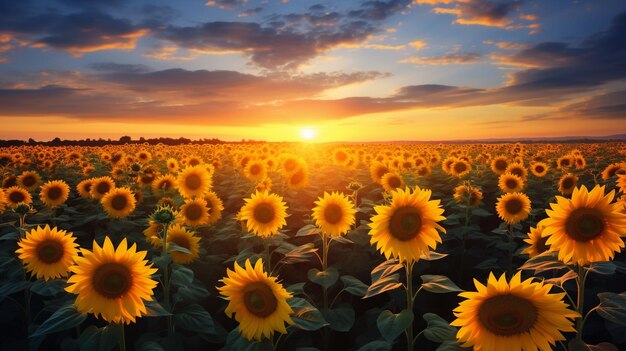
x=29 y=180
x=172 y=165
x=264 y=213
x=101 y=186
x=84 y=188
x=475 y=195
x=167 y=201
x=216 y=206
x=513 y=207
x=119 y=202
x=585 y=228
x=164 y=183
x=178 y=235
x=392 y=181
x=334 y=214
x=567 y=183
x=539 y=169
x=48 y=253
x=460 y=168
x=341 y=157
x=3 y=200
x=194 y=181
x=510 y=183
x=407 y=228
x=377 y=171
x=565 y=162
x=54 y=193
x=153 y=234
x=291 y=164
x=517 y=169
x=514 y=316
x=14 y=195
x=499 y=164
x=194 y=212
x=537 y=242
x=112 y=283
x=255 y=170
x=298 y=179
x=257 y=301
x=613 y=169
x=621 y=183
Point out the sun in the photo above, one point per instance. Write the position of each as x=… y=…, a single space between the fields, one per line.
x=308 y=133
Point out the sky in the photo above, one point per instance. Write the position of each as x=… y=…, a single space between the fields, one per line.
x=287 y=70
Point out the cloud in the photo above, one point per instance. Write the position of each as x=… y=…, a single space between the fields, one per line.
x=226 y=4
x=477 y=12
x=418 y=44
x=454 y=58
x=167 y=53
x=251 y=12
x=284 y=41
x=602 y=106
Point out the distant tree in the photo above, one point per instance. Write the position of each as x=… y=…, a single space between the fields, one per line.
x=125 y=139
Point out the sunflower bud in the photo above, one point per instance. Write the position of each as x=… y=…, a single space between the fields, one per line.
x=163 y=215
x=22 y=208
x=355 y=186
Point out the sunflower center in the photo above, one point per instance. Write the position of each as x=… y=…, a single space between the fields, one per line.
x=119 y=202
x=568 y=183
x=507 y=315
x=333 y=213
x=264 y=213
x=501 y=164
x=539 y=169
x=297 y=177
x=259 y=299
x=255 y=169
x=513 y=206
x=405 y=223
x=112 y=280
x=17 y=197
x=166 y=185
x=28 y=180
x=180 y=241
x=511 y=183
x=585 y=224
x=50 y=251
x=193 y=211
x=193 y=181
x=54 y=193
x=290 y=165
x=394 y=182
x=382 y=171
x=103 y=187
x=87 y=187
x=517 y=171
x=341 y=156
x=460 y=167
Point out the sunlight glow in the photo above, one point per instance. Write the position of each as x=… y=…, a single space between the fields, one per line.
x=308 y=133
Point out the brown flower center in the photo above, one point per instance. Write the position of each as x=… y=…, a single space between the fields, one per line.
x=50 y=251
x=513 y=206
x=341 y=156
x=259 y=299
x=255 y=169
x=103 y=187
x=333 y=213
x=193 y=211
x=29 y=180
x=507 y=315
x=119 y=202
x=181 y=241
x=460 y=167
x=585 y=224
x=193 y=181
x=16 y=197
x=297 y=177
x=264 y=213
x=54 y=193
x=539 y=169
x=381 y=171
x=394 y=182
x=501 y=165
x=405 y=223
x=511 y=183
x=517 y=171
x=567 y=183
x=112 y=280
x=290 y=165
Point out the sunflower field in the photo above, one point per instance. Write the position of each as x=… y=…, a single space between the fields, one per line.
x=293 y=246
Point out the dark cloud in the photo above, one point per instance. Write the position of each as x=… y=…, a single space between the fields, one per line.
x=93 y=4
x=603 y=106
x=119 y=68
x=479 y=12
x=284 y=41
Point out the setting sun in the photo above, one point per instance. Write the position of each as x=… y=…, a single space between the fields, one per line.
x=308 y=133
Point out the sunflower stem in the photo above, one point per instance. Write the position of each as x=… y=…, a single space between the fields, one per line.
x=122 y=338
x=409 y=302
x=325 y=245
x=166 y=283
x=580 y=304
x=268 y=258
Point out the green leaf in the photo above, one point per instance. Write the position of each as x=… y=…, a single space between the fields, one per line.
x=162 y=261
x=384 y=279
x=546 y=261
x=377 y=345
x=296 y=289
x=181 y=275
x=48 y=288
x=392 y=325
x=100 y=339
x=341 y=319
x=173 y=247
x=481 y=212
x=299 y=254
x=438 y=329
x=235 y=341
x=308 y=229
x=154 y=309
x=195 y=318
x=432 y=256
x=305 y=316
x=613 y=307
x=605 y=268
x=325 y=278
x=353 y=285
x=11 y=287
x=439 y=284
x=64 y=318
x=450 y=345
x=191 y=293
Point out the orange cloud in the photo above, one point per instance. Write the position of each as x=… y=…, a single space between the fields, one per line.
x=418 y=44
x=447 y=59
